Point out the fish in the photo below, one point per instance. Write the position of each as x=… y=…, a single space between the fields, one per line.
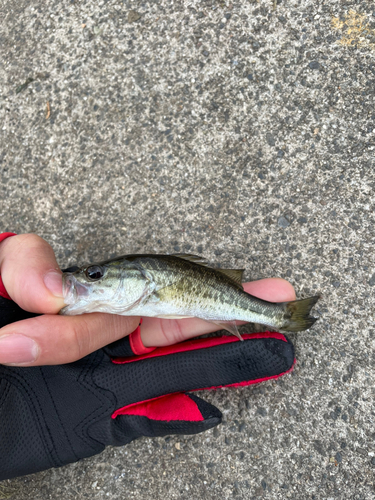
x=177 y=286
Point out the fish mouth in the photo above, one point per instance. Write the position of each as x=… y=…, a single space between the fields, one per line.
x=73 y=292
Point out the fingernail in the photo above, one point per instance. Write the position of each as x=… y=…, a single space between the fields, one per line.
x=53 y=281
x=16 y=349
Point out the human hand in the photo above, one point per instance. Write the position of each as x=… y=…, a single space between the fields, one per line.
x=53 y=415
x=32 y=278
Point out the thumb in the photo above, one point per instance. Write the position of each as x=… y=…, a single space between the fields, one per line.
x=30 y=273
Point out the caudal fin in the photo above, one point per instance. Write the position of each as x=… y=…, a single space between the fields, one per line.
x=297 y=314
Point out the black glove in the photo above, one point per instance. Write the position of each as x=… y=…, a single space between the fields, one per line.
x=54 y=415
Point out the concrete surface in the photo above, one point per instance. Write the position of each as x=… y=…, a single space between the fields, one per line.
x=242 y=131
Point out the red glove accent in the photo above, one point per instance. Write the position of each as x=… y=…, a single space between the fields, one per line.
x=3 y=292
x=136 y=343
x=166 y=408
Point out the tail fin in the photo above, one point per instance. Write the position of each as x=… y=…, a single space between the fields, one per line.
x=297 y=314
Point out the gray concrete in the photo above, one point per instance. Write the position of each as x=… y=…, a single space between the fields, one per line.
x=241 y=131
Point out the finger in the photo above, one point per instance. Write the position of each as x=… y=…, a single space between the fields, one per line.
x=203 y=363
x=31 y=274
x=271 y=289
x=156 y=332
x=53 y=339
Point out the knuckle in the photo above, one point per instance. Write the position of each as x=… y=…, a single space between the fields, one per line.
x=171 y=331
x=119 y=326
x=80 y=338
x=29 y=240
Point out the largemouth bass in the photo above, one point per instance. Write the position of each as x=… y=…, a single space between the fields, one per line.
x=177 y=286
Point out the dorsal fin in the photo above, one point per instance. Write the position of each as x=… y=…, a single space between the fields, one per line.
x=234 y=274
x=197 y=259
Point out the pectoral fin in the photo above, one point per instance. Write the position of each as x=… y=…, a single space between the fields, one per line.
x=171 y=316
x=229 y=326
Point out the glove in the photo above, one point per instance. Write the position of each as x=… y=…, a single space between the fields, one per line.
x=53 y=415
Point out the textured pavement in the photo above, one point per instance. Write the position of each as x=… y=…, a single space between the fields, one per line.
x=241 y=131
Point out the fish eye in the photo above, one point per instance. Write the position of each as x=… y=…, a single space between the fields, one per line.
x=94 y=273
